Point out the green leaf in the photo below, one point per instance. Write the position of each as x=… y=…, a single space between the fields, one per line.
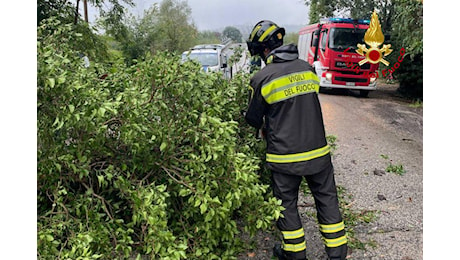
x=101 y=111
x=100 y=179
x=49 y=238
x=51 y=82
x=203 y=208
x=163 y=146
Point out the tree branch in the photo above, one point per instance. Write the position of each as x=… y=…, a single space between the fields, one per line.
x=104 y=202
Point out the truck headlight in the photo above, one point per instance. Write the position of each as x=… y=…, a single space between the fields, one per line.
x=372 y=79
x=329 y=76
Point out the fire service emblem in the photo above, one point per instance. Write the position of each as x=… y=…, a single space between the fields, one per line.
x=374 y=38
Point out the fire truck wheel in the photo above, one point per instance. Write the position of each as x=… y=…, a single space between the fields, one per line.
x=364 y=93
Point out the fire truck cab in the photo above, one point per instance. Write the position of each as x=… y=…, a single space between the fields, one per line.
x=329 y=47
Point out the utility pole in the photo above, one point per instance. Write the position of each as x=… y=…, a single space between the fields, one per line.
x=76 y=12
x=85 y=6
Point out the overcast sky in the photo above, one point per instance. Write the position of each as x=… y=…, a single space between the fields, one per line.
x=217 y=14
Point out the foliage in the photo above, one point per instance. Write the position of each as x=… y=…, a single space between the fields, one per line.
x=164 y=27
x=291 y=38
x=176 y=30
x=320 y=9
x=140 y=35
x=353 y=218
x=357 y=9
x=61 y=9
x=331 y=141
x=62 y=12
x=66 y=11
x=113 y=17
x=153 y=160
x=408 y=33
x=208 y=37
x=232 y=33
x=394 y=168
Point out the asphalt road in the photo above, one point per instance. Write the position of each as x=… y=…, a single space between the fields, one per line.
x=372 y=133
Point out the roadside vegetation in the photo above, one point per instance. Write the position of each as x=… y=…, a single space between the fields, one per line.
x=138 y=154
x=150 y=159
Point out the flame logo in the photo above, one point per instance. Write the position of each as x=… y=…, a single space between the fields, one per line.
x=374 y=37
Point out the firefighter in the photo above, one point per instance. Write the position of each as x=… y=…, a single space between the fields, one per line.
x=284 y=102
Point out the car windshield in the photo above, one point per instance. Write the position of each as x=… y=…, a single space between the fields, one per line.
x=342 y=38
x=205 y=59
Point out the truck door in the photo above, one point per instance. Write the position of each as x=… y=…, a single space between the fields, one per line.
x=323 y=45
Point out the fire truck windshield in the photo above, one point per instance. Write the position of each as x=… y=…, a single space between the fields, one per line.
x=342 y=38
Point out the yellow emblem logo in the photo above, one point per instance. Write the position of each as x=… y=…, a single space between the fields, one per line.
x=374 y=38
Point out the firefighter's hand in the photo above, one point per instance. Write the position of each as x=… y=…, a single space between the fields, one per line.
x=260 y=134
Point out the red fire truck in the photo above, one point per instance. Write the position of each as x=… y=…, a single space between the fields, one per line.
x=329 y=46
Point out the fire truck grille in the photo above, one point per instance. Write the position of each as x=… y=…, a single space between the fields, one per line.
x=351 y=79
x=342 y=64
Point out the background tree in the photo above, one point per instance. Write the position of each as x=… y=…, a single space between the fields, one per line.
x=164 y=27
x=60 y=9
x=232 y=33
x=140 y=35
x=291 y=37
x=91 y=44
x=362 y=9
x=407 y=32
x=207 y=36
x=321 y=8
x=358 y=9
x=175 y=28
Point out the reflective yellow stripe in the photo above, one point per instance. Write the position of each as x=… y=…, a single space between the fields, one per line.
x=267 y=32
x=295 y=247
x=289 y=86
x=253 y=33
x=270 y=59
x=331 y=228
x=252 y=91
x=293 y=234
x=298 y=157
x=335 y=242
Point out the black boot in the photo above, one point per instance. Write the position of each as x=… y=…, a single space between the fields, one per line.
x=278 y=252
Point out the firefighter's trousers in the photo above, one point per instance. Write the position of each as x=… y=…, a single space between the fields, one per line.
x=323 y=189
